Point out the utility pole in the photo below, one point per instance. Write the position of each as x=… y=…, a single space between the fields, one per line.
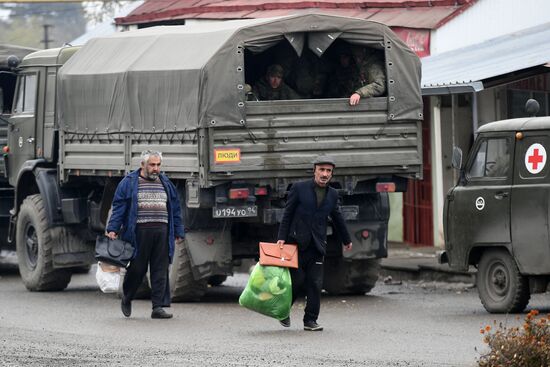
x=46 y=41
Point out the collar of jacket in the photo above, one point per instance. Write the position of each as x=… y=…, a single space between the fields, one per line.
x=135 y=174
x=312 y=184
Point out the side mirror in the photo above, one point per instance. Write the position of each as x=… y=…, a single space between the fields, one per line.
x=456 y=162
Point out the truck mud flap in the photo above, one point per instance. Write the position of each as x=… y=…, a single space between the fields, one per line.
x=369 y=240
x=210 y=252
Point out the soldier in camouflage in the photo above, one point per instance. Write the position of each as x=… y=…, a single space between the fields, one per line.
x=272 y=87
x=342 y=81
x=309 y=75
x=370 y=78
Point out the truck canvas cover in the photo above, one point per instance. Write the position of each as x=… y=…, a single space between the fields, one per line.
x=180 y=78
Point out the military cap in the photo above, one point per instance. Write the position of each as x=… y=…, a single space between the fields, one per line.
x=275 y=70
x=324 y=159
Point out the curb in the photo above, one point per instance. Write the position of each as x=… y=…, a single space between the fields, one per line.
x=426 y=272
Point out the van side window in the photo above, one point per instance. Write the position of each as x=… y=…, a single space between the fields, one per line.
x=492 y=159
x=26 y=94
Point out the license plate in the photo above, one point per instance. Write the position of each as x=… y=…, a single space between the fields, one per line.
x=235 y=211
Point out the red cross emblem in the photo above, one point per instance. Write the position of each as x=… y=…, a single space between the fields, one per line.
x=535 y=158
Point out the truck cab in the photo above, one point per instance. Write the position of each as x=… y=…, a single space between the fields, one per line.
x=497 y=216
x=10 y=58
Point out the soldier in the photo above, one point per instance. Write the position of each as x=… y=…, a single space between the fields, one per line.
x=272 y=87
x=371 y=78
x=309 y=75
x=342 y=81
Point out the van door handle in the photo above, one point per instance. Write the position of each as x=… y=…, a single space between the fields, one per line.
x=501 y=195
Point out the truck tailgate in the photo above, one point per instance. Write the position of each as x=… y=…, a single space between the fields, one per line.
x=281 y=139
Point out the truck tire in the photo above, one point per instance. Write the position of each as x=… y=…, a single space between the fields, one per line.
x=501 y=287
x=216 y=280
x=183 y=285
x=34 y=243
x=350 y=277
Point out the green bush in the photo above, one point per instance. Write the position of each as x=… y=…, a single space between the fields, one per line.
x=525 y=346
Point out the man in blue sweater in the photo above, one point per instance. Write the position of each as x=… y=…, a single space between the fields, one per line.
x=146 y=212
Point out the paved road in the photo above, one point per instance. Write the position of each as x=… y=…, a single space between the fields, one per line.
x=396 y=325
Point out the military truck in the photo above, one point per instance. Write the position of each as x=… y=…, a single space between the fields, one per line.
x=496 y=217
x=10 y=56
x=182 y=90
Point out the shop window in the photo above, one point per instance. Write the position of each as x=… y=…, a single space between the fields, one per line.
x=518 y=98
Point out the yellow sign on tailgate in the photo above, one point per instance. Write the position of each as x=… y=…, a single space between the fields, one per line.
x=227 y=155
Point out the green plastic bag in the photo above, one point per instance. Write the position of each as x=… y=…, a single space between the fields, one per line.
x=269 y=291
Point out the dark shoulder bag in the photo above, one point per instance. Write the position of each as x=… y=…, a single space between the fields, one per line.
x=114 y=252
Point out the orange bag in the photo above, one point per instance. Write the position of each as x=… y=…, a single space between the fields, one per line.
x=285 y=256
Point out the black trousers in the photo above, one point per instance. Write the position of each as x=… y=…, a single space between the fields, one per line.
x=153 y=252
x=308 y=280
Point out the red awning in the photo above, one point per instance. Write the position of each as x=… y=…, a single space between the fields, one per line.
x=420 y=14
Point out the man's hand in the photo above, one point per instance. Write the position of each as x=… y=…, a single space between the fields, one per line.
x=112 y=235
x=354 y=99
x=348 y=247
x=280 y=242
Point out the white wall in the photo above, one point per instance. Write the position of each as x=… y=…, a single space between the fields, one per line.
x=488 y=19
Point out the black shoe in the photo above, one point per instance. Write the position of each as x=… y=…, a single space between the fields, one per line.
x=126 y=307
x=159 y=313
x=285 y=322
x=312 y=326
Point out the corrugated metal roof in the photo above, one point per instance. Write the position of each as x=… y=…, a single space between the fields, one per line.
x=427 y=14
x=499 y=56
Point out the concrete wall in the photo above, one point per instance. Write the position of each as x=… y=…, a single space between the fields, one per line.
x=395 y=226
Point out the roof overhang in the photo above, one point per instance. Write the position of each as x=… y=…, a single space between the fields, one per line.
x=472 y=87
x=495 y=62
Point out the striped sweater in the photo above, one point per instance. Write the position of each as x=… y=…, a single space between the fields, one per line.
x=152 y=199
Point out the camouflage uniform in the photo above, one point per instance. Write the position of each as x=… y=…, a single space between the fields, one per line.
x=341 y=83
x=309 y=75
x=264 y=92
x=370 y=80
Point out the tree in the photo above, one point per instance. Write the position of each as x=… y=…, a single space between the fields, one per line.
x=25 y=23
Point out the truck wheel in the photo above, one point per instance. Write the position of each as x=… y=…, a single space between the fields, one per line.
x=502 y=289
x=350 y=277
x=183 y=285
x=216 y=280
x=34 y=243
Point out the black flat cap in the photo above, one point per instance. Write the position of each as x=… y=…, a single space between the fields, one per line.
x=324 y=159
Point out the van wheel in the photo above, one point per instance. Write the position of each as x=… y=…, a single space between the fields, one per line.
x=183 y=286
x=34 y=243
x=502 y=289
x=350 y=277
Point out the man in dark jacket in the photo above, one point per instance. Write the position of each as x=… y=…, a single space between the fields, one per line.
x=146 y=212
x=308 y=206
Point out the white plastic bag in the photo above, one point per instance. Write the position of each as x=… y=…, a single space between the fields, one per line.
x=107 y=277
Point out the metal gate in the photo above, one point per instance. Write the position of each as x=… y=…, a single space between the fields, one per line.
x=417 y=201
